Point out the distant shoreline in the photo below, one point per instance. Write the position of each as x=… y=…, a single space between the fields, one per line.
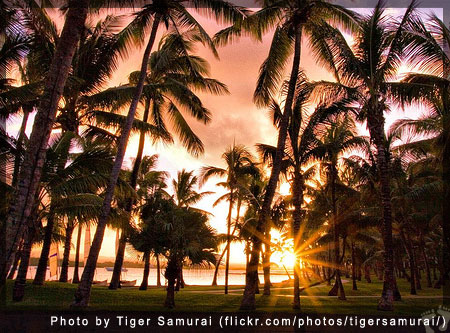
x=133 y=264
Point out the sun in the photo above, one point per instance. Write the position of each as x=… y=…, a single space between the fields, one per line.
x=287 y=259
x=283 y=254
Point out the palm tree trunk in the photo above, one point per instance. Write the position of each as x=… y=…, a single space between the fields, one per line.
x=19 y=145
x=182 y=283
x=375 y=121
x=408 y=247
x=76 y=278
x=329 y=264
x=338 y=289
x=41 y=269
x=19 y=284
x=17 y=257
x=446 y=171
x=324 y=273
x=216 y=270
x=247 y=254
x=82 y=294
x=434 y=270
x=440 y=281
x=257 y=286
x=67 y=244
x=31 y=170
x=413 y=273
x=266 y=260
x=367 y=273
x=144 y=283
x=171 y=275
x=248 y=300
x=227 y=260
x=416 y=264
x=354 y=267
x=178 y=281
x=158 y=271
x=427 y=265
x=297 y=199
x=118 y=263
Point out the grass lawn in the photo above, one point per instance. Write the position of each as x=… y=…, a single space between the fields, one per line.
x=58 y=296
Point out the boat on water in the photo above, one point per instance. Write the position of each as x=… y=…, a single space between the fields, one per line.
x=100 y=283
x=130 y=283
x=110 y=269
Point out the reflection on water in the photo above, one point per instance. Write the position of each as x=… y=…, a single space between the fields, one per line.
x=192 y=276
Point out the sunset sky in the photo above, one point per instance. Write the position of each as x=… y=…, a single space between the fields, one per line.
x=234 y=118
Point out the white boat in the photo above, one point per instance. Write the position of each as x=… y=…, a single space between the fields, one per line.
x=131 y=283
x=100 y=283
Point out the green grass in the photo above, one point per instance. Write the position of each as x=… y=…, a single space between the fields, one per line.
x=59 y=296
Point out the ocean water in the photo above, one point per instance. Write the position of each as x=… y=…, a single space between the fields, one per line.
x=192 y=276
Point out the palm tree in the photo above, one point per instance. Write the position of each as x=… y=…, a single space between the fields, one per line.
x=365 y=72
x=144 y=240
x=82 y=208
x=180 y=234
x=71 y=193
x=195 y=241
x=339 y=137
x=422 y=182
x=184 y=193
x=302 y=131
x=171 y=13
x=185 y=196
x=29 y=177
x=239 y=162
x=173 y=72
x=417 y=188
x=429 y=51
x=151 y=192
x=356 y=221
x=59 y=159
x=291 y=21
x=24 y=41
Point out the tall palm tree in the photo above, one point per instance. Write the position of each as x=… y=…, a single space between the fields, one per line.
x=171 y=13
x=173 y=75
x=291 y=20
x=31 y=170
x=366 y=71
x=239 y=163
